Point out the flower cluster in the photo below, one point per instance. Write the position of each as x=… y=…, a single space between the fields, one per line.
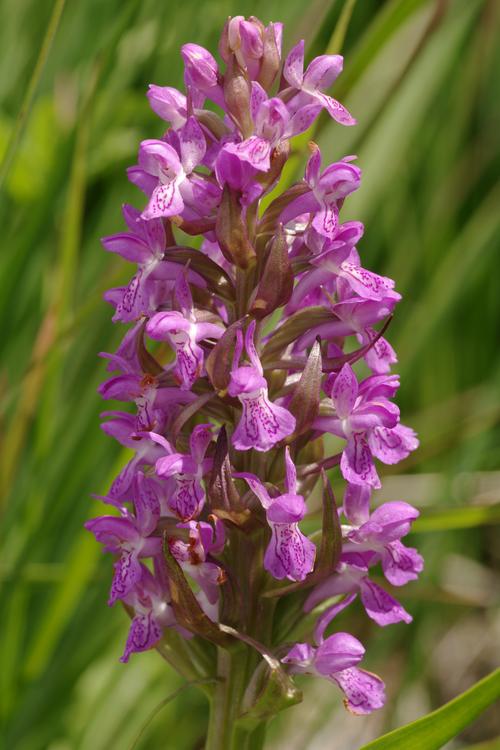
x=239 y=365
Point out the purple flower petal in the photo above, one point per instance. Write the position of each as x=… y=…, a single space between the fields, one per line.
x=338 y=652
x=144 y=633
x=392 y=445
x=344 y=391
x=293 y=68
x=381 y=606
x=357 y=503
x=323 y=71
x=356 y=464
x=401 y=564
x=290 y=554
x=364 y=691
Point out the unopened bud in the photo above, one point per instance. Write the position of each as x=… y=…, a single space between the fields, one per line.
x=231 y=230
x=276 y=284
x=271 y=55
x=200 y=67
x=237 y=93
x=219 y=361
x=257 y=48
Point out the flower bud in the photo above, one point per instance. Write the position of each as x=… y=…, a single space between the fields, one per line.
x=231 y=231
x=200 y=67
x=271 y=56
x=219 y=361
x=276 y=284
x=257 y=48
x=244 y=39
x=304 y=404
x=237 y=94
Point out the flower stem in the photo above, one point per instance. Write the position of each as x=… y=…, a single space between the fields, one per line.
x=223 y=732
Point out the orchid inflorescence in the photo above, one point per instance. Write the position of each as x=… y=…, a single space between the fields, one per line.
x=240 y=363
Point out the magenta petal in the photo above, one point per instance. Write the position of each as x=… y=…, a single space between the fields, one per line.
x=144 y=181
x=393 y=520
x=381 y=606
x=121 y=388
x=188 y=499
x=333 y=586
x=271 y=120
x=192 y=143
x=189 y=364
x=302 y=119
x=301 y=656
x=329 y=614
x=255 y=151
x=401 y=564
x=356 y=464
x=175 y=463
x=200 y=440
x=122 y=483
x=289 y=554
x=337 y=111
x=169 y=104
x=344 y=391
x=357 y=503
x=338 y=652
x=127 y=573
x=257 y=97
x=294 y=66
x=370 y=415
x=286 y=509
x=326 y=220
x=392 y=445
x=208 y=331
x=364 y=691
x=112 y=531
x=291 y=473
x=262 y=423
x=323 y=71
x=147 y=506
x=313 y=167
x=159 y=158
x=165 y=201
x=130 y=247
x=201 y=66
x=256 y=486
x=144 y=633
x=154 y=234
x=367 y=284
x=163 y=323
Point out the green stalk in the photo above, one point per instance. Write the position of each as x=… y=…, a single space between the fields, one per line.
x=226 y=699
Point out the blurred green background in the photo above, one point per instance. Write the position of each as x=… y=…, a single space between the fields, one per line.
x=422 y=78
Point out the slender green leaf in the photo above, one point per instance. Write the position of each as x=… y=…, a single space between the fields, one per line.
x=30 y=94
x=447 y=519
x=431 y=732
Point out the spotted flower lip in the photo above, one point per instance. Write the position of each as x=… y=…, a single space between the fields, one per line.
x=262 y=423
x=250 y=317
x=336 y=658
x=187 y=470
x=370 y=426
x=166 y=174
x=185 y=332
x=326 y=190
x=289 y=553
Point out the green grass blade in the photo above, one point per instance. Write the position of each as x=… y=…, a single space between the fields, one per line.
x=386 y=23
x=434 y=730
x=458 y=518
x=29 y=97
x=337 y=39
